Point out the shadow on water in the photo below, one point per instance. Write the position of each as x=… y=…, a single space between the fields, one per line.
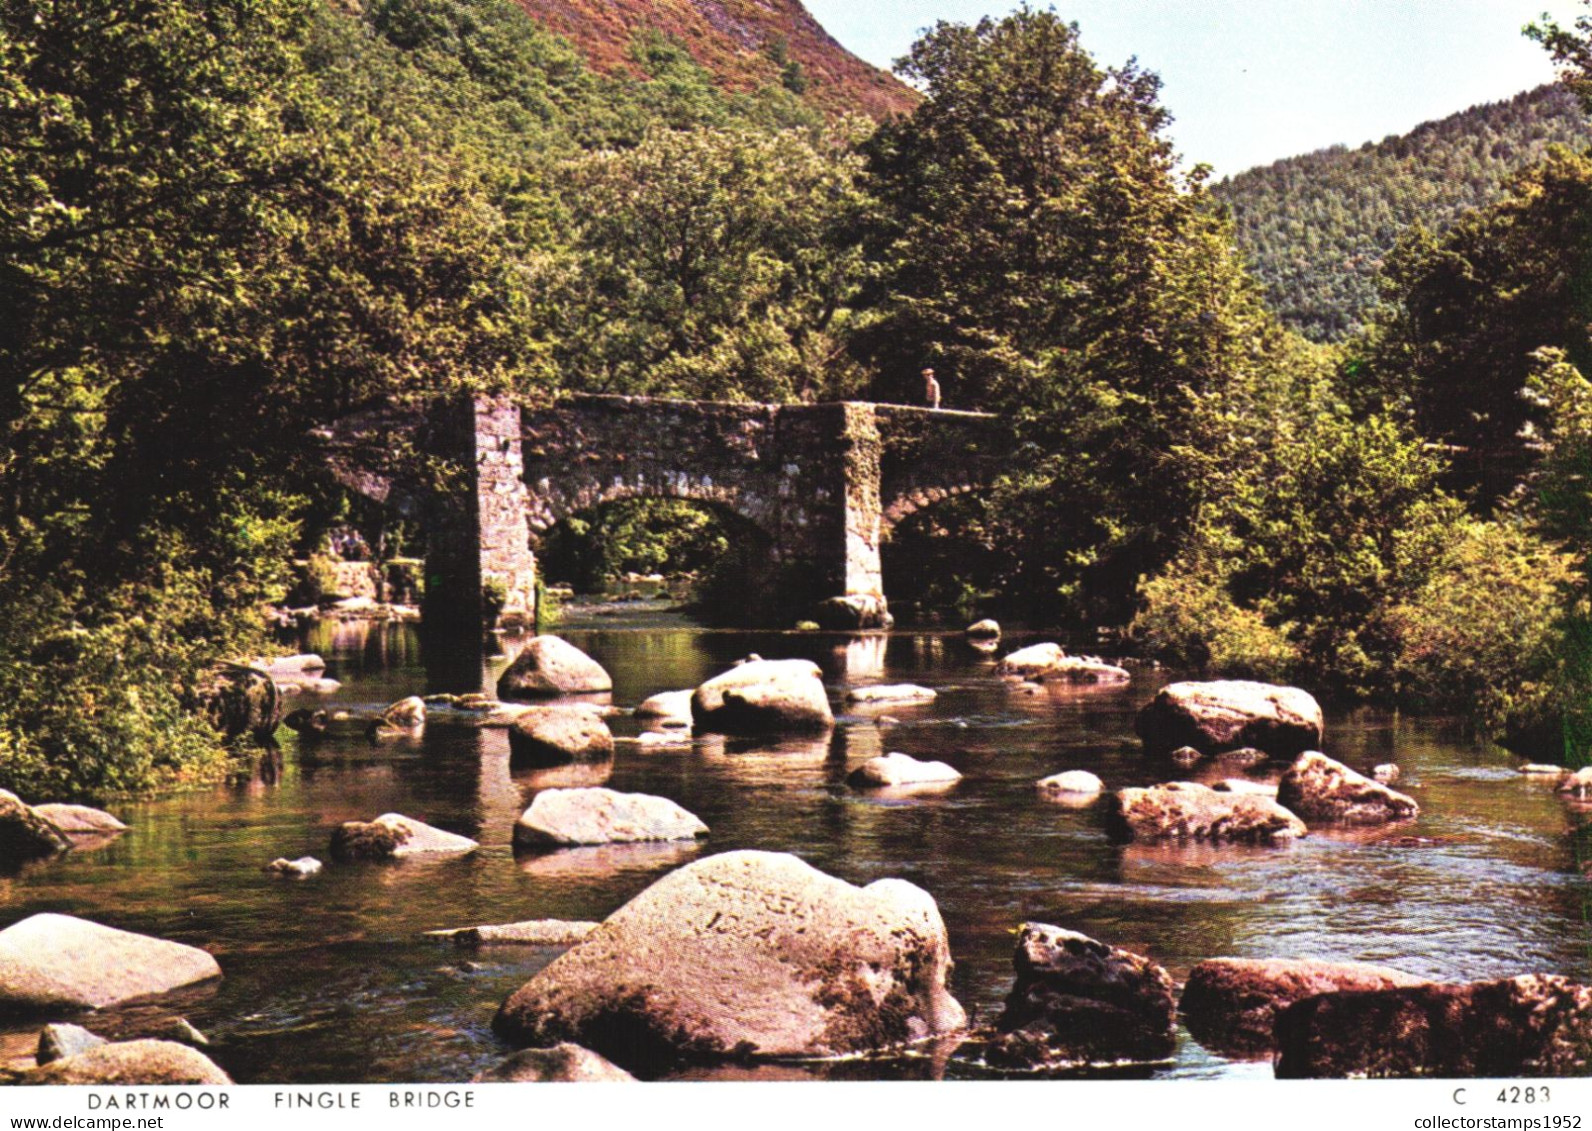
x=331 y=978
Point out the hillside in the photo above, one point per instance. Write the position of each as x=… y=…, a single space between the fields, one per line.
x=744 y=43
x=1315 y=228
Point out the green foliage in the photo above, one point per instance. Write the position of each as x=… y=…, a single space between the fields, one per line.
x=1482 y=634
x=669 y=536
x=202 y=258
x=712 y=264
x=1190 y=618
x=1317 y=229
x=1317 y=522
x=1468 y=311
x=320 y=578
x=1045 y=259
x=548 y=608
x=96 y=696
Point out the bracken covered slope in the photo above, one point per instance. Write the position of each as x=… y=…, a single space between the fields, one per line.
x=746 y=43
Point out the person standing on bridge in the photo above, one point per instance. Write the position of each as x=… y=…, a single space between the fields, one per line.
x=931 y=389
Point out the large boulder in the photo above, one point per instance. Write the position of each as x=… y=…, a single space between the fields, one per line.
x=1076 y=782
x=552 y=736
x=1049 y=661
x=406 y=714
x=392 y=836
x=131 y=1062
x=746 y=954
x=896 y=769
x=52 y=962
x=1229 y=714
x=668 y=708
x=1231 y=1004
x=561 y=1064
x=562 y=817
x=1186 y=811
x=853 y=611
x=1079 y=1001
x=549 y=666
x=239 y=699
x=1534 y=1025
x=1320 y=789
x=764 y=697
x=80 y=820
x=25 y=834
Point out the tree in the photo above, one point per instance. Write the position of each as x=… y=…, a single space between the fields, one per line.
x=201 y=261
x=1043 y=256
x=713 y=263
x=1467 y=311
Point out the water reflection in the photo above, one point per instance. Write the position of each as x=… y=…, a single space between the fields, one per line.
x=601 y=861
x=332 y=979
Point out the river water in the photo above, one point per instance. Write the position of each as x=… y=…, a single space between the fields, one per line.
x=330 y=979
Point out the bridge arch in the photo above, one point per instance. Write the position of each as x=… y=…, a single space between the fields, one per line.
x=551 y=502
x=903 y=507
x=825 y=482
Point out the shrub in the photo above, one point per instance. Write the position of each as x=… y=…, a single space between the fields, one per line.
x=1483 y=631
x=1188 y=617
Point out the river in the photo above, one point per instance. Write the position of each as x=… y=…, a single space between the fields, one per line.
x=330 y=979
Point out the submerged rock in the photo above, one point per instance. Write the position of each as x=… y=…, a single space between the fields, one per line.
x=1578 y=782
x=1386 y=774
x=1535 y=1025
x=1049 y=661
x=550 y=736
x=564 y=1063
x=1244 y=785
x=1079 y=1001
x=550 y=666
x=393 y=836
x=764 y=697
x=532 y=932
x=1542 y=770
x=1072 y=781
x=1186 y=811
x=668 y=707
x=1320 y=789
x=746 y=954
x=1228 y=714
x=131 y=1062
x=895 y=769
x=853 y=611
x=892 y=693
x=562 y=817
x=302 y=867
x=50 y=962
x=657 y=738
x=1231 y=1004
x=406 y=714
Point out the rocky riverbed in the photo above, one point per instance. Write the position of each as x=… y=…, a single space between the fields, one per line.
x=330 y=976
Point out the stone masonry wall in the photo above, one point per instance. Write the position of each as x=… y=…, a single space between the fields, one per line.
x=825 y=482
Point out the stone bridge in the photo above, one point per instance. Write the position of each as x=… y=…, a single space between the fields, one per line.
x=824 y=483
